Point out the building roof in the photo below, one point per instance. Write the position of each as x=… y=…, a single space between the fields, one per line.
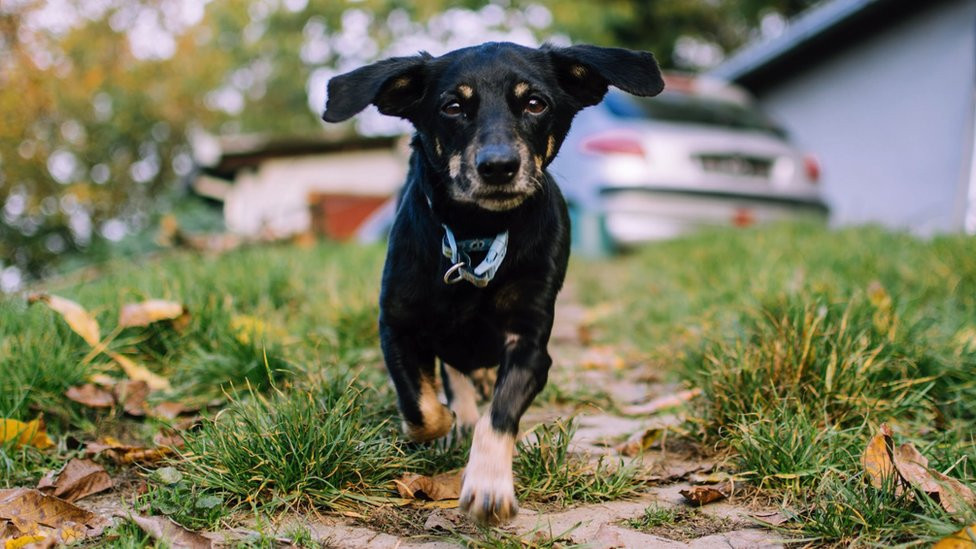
x=222 y=156
x=815 y=35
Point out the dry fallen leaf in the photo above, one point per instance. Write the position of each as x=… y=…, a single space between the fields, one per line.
x=662 y=403
x=172 y=534
x=146 y=312
x=954 y=496
x=169 y=437
x=31 y=433
x=29 y=510
x=132 y=395
x=601 y=358
x=703 y=495
x=639 y=442
x=80 y=320
x=877 y=458
x=91 y=396
x=436 y=488
x=912 y=469
x=963 y=539
x=124 y=453
x=772 y=518
x=138 y=372
x=167 y=410
x=78 y=479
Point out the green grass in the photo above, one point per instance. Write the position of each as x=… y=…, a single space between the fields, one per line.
x=304 y=311
x=803 y=341
x=546 y=472
x=327 y=446
x=679 y=523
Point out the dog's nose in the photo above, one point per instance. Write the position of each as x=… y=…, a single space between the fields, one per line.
x=497 y=164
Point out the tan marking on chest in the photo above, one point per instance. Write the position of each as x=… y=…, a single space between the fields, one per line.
x=454 y=166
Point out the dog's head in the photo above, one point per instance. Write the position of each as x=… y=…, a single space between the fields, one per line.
x=492 y=117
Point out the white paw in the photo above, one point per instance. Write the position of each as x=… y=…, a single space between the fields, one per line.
x=488 y=491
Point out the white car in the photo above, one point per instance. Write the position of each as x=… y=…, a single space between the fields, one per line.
x=636 y=169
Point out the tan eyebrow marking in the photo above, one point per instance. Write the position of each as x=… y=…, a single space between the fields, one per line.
x=521 y=89
x=466 y=91
x=579 y=71
x=401 y=82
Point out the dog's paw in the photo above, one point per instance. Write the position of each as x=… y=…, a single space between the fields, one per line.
x=488 y=500
x=438 y=420
x=488 y=491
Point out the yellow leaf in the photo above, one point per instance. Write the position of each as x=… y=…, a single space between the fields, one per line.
x=83 y=323
x=138 y=372
x=147 y=312
x=963 y=539
x=22 y=541
x=877 y=458
x=966 y=338
x=442 y=504
x=249 y=328
x=639 y=442
x=434 y=488
x=21 y=433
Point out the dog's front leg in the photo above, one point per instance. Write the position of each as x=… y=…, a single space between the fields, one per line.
x=411 y=367
x=488 y=491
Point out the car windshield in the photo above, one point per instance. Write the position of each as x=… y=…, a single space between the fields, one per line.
x=682 y=107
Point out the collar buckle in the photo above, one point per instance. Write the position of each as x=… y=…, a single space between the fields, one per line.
x=457 y=251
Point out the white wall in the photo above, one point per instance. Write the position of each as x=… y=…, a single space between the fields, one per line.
x=891 y=120
x=275 y=197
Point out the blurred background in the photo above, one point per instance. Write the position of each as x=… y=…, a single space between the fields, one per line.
x=129 y=125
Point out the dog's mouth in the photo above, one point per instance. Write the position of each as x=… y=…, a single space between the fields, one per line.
x=498 y=201
x=468 y=186
x=497 y=195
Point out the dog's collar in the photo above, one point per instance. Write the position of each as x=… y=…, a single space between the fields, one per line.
x=457 y=251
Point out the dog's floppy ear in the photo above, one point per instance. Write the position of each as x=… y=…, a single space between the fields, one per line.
x=586 y=71
x=394 y=85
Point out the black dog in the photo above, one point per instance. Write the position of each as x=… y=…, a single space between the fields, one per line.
x=479 y=247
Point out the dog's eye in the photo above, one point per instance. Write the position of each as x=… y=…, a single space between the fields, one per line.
x=452 y=109
x=536 y=105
